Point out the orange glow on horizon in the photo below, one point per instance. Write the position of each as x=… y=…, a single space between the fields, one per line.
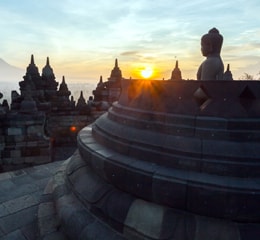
x=130 y=69
x=144 y=71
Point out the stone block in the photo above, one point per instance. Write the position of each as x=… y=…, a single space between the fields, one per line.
x=48 y=224
x=14 y=131
x=223 y=201
x=44 y=152
x=2 y=146
x=32 y=143
x=46 y=209
x=43 y=143
x=98 y=231
x=116 y=208
x=2 y=139
x=5 y=153
x=77 y=221
x=139 y=178
x=145 y=153
x=116 y=174
x=29 y=122
x=20 y=145
x=212 y=229
x=97 y=162
x=85 y=152
x=19 y=138
x=20 y=203
x=30 y=151
x=34 y=130
x=19 y=219
x=15 y=153
x=3 y=211
x=31 y=231
x=235 y=158
x=168 y=189
x=176 y=225
x=75 y=164
x=42 y=159
x=96 y=188
x=29 y=159
x=249 y=231
x=145 y=218
x=211 y=122
x=17 y=234
x=18 y=160
x=5 y=175
x=211 y=133
x=10 y=140
x=7 y=160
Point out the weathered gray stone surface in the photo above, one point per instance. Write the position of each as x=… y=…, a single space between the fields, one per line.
x=114 y=214
x=185 y=151
x=20 y=197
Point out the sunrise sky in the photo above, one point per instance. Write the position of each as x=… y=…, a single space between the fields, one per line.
x=83 y=37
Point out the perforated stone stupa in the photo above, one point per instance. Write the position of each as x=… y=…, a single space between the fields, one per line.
x=169 y=160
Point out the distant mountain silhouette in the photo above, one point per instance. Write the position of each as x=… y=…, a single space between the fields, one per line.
x=9 y=73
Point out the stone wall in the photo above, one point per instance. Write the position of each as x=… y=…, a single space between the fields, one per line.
x=23 y=141
x=63 y=129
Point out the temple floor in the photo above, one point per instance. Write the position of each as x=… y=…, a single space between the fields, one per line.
x=23 y=203
x=36 y=203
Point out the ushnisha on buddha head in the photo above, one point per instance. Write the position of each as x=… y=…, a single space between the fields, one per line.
x=211 y=43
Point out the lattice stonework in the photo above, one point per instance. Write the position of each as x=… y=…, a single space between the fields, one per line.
x=201 y=97
x=247 y=98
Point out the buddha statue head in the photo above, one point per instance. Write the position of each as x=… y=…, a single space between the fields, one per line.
x=212 y=67
x=211 y=43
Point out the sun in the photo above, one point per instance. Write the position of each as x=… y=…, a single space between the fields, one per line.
x=147 y=72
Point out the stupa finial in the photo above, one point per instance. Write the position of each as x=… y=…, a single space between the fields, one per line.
x=47 y=61
x=32 y=59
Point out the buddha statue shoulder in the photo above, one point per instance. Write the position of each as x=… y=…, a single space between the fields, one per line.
x=212 y=67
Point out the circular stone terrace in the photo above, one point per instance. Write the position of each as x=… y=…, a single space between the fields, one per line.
x=169 y=160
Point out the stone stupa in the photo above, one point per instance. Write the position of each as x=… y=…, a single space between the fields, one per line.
x=169 y=160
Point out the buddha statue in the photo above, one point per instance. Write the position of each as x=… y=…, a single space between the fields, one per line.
x=212 y=68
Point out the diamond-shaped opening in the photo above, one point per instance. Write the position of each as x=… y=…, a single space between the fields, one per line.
x=247 y=97
x=201 y=97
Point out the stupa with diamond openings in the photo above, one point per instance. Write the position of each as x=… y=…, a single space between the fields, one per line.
x=169 y=160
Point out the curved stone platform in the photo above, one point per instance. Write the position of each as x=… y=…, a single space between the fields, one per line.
x=170 y=160
x=90 y=208
x=194 y=191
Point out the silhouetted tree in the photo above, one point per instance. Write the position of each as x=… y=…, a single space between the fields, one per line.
x=247 y=76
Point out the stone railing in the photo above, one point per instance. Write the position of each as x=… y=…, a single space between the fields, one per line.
x=227 y=99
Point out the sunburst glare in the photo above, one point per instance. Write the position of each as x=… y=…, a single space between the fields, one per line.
x=147 y=72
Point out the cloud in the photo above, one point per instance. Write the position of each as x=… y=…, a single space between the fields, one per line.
x=91 y=34
x=129 y=53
